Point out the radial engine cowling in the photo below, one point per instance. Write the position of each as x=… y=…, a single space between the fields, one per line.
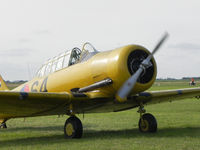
x=128 y=62
x=120 y=64
x=148 y=76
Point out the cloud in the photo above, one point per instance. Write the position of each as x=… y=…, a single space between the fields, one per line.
x=18 y=52
x=185 y=46
x=24 y=40
x=42 y=32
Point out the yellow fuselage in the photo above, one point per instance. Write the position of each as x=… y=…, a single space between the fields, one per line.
x=109 y=64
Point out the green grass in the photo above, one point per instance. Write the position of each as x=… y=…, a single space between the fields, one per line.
x=178 y=129
x=12 y=85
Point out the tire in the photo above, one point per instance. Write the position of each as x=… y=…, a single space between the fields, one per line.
x=149 y=125
x=73 y=128
x=3 y=125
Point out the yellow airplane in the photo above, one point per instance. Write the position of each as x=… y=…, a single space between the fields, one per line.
x=89 y=81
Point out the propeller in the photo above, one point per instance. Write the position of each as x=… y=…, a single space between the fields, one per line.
x=146 y=63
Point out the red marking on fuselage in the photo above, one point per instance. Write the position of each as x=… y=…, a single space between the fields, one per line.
x=26 y=88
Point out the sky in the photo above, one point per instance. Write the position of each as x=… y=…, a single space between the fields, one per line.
x=32 y=31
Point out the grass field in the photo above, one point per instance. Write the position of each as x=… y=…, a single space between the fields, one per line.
x=178 y=129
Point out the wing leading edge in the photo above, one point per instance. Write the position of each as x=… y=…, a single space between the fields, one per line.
x=154 y=97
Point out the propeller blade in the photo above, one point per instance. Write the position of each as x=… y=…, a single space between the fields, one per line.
x=128 y=86
x=130 y=83
x=165 y=36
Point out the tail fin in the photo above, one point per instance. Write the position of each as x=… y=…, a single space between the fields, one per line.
x=3 y=86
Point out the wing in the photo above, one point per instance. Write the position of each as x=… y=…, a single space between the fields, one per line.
x=29 y=104
x=22 y=104
x=167 y=95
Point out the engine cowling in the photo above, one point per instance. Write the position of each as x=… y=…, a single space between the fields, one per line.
x=119 y=65
x=126 y=63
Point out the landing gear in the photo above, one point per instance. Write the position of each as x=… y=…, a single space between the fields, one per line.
x=3 y=125
x=147 y=122
x=73 y=128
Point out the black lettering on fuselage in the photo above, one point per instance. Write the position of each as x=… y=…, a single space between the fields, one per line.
x=43 y=87
x=34 y=85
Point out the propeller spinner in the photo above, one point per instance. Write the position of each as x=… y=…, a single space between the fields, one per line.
x=130 y=83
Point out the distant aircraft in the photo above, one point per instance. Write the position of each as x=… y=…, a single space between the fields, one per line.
x=77 y=82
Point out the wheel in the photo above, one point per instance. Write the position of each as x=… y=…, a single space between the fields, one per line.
x=149 y=123
x=3 y=125
x=73 y=128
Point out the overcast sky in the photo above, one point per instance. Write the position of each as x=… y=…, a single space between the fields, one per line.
x=31 y=31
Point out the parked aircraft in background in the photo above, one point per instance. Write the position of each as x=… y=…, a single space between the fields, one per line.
x=83 y=81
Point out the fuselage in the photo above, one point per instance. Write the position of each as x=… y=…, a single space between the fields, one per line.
x=109 y=64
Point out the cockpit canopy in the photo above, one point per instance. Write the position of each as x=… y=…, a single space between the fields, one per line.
x=66 y=59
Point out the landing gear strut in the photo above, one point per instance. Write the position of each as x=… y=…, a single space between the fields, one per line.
x=147 y=122
x=73 y=128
